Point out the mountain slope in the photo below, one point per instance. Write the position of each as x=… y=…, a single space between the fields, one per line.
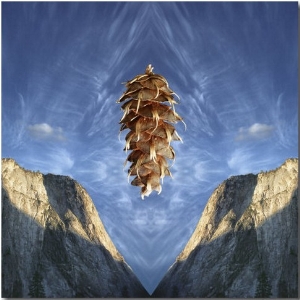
x=51 y=227
x=249 y=227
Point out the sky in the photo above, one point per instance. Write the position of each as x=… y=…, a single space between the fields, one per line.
x=233 y=65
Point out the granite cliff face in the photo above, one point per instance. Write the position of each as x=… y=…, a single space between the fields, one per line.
x=248 y=227
x=51 y=227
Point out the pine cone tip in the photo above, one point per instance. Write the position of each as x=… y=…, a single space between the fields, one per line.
x=149 y=70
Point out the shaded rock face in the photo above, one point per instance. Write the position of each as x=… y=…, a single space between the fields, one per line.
x=50 y=226
x=249 y=226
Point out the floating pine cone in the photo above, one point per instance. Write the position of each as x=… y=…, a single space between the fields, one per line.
x=148 y=112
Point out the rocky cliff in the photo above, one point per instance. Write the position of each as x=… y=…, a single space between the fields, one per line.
x=53 y=241
x=245 y=243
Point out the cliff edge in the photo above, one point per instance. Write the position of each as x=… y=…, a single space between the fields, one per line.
x=246 y=241
x=54 y=243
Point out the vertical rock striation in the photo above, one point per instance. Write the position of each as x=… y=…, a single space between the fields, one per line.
x=249 y=227
x=51 y=227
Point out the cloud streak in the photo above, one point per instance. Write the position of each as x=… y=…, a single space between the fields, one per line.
x=244 y=160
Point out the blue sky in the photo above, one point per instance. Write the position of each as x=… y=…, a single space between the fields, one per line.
x=233 y=65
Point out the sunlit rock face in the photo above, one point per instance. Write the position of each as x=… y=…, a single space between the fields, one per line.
x=249 y=226
x=51 y=226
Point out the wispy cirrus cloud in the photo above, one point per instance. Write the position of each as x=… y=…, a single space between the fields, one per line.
x=245 y=160
x=240 y=161
x=61 y=160
x=44 y=131
x=257 y=131
x=285 y=117
x=56 y=160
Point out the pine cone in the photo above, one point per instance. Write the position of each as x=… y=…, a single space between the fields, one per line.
x=151 y=133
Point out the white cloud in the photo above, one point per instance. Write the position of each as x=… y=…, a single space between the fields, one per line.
x=44 y=131
x=257 y=131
